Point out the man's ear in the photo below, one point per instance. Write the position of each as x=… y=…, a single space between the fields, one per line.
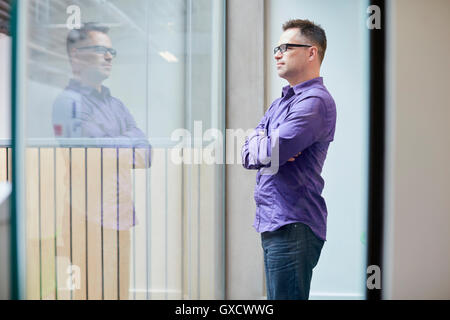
x=313 y=53
x=74 y=60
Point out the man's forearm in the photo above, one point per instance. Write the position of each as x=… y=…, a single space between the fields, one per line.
x=251 y=157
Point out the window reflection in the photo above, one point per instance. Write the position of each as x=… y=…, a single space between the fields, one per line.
x=87 y=108
x=108 y=215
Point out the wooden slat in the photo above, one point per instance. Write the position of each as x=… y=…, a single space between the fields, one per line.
x=186 y=258
x=32 y=221
x=110 y=269
x=63 y=248
x=158 y=227
x=190 y=212
x=175 y=216
x=47 y=193
x=125 y=220
x=193 y=230
x=94 y=224
x=208 y=232
x=139 y=245
x=141 y=158
x=79 y=222
x=3 y=165
x=10 y=164
x=124 y=264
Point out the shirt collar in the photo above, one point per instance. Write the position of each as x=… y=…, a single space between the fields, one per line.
x=76 y=85
x=298 y=89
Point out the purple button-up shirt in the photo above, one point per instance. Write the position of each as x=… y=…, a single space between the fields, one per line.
x=302 y=120
x=83 y=112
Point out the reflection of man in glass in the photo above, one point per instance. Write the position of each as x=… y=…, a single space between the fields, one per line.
x=86 y=109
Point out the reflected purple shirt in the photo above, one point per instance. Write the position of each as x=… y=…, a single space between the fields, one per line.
x=304 y=119
x=83 y=112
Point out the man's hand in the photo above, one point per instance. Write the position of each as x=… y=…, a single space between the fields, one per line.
x=295 y=157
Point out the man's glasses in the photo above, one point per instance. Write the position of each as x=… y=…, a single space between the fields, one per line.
x=283 y=47
x=100 y=50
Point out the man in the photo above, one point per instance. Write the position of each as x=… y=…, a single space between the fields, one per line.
x=86 y=107
x=87 y=110
x=293 y=136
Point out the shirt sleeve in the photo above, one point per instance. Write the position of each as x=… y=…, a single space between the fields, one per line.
x=132 y=130
x=71 y=119
x=302 y=127
x=142 y=156
x=249 y=151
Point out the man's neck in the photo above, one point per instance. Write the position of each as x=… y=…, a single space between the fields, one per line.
x=304 y=78
x=85 y=82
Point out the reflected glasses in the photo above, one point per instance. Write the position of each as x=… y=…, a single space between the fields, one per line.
x=100 y=50
x=283 y=47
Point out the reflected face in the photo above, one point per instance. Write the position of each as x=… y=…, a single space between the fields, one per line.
x=294 y=61
x=90 y=63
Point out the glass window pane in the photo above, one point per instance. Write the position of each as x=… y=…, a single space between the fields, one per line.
x=108 y=210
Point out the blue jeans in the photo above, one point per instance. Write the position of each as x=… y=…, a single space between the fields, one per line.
x=290 y=255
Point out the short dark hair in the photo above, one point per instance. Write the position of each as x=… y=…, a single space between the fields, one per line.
x=77 y=35
x=311 y=31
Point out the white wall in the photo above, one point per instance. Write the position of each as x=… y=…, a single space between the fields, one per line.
x=417 y=261
x=340 y=273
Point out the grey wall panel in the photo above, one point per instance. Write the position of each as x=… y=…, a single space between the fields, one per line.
x=245 y=107
x=417 y=247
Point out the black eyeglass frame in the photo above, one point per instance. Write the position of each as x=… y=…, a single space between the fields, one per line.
x=283 y=47
x=111 y=51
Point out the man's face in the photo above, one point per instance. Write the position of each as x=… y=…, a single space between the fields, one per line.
x=294 y=61
x=89 y=63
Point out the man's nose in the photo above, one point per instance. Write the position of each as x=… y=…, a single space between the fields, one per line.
x=108 y=56
x=278 y=55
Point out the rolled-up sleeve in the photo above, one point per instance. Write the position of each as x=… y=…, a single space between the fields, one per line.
x=250 y=152
x=251 y=148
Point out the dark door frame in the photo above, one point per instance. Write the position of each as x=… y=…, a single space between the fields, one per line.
x=377 y=111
